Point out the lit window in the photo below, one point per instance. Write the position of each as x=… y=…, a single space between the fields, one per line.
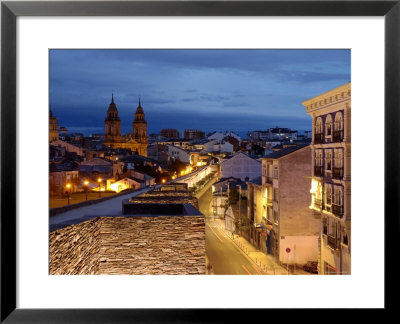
x=275 y=172
x=328 y=194
x=319 y=126
x=328 y=125
x=338 y=159
x=338 y=125
x=338 y=196
x=328 y=160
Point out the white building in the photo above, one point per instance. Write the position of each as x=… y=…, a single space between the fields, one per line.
x=240 y=166
x=220 y=136
x=218 y=146
x=175 y=152
x=142 y=178
x=122 y=184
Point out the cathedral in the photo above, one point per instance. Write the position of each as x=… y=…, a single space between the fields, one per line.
x=53 y=128
x=135 y=141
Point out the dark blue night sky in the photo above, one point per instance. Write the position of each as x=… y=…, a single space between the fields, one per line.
x=236 y=90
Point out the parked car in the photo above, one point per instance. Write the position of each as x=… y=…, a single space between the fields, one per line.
x=311 y=266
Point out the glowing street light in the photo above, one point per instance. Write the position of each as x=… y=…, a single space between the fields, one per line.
x=86 y=187
x=163 y=180
x=99 y=180
x=68 y=186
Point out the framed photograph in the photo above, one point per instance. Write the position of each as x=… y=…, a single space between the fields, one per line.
x=82 y=66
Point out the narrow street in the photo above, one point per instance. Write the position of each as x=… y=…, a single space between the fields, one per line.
x=224 y=256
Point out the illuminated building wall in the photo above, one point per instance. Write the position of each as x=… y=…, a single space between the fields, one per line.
x=53 y=128
x=331 y=181
x=288 y=221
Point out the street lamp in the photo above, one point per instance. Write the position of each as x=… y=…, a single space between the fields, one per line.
x=68 y=186
x=99 y=180
x=86 y=187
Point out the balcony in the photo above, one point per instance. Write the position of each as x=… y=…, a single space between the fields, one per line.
x=318 y=138
x=268 y=180
x=328 y=206
x=332 y=242
x=337 y=210
x=337 y=173
x=337 y=136
x=268 y=201
x=317 y=171
x=318 y=203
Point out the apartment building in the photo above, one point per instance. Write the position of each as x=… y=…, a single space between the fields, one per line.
x=286 y=225
x=240 y=166
x=175 y=152
x=331 y=176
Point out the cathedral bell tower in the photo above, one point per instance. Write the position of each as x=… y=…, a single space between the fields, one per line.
x=53 y=128
x=139 y=125
x=112 y=124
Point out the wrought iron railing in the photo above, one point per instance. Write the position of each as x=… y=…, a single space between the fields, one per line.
x=337 y=210
x=337 y=135
x=332 y=242
x=318 y=203
x=318 y=171
x=337 y=173
x=318 y=138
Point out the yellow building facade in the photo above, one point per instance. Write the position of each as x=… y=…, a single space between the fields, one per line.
x=331 y=177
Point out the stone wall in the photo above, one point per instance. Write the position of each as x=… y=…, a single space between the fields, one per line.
x=130 y=245
x=75 y=249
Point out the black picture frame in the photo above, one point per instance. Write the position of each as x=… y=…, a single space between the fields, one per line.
x=10 y=10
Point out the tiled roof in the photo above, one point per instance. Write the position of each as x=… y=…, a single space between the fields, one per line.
x=257 y=181
x=64 y=166
x=97 y=162
x=283 y=152
x=137 y=157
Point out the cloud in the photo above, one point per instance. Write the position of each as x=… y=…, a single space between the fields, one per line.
x=207 y=88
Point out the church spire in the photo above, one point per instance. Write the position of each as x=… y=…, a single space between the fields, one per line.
x=112 y=97
x=139 y=103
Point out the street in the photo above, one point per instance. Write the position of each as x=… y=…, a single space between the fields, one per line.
x=224 y=255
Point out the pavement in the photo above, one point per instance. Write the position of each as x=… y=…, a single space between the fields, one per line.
x=264 y=262
x=110 y=207
x=261 y=262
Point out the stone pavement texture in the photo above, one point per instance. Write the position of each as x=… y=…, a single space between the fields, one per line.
x=263 y=261
x=130 y=245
